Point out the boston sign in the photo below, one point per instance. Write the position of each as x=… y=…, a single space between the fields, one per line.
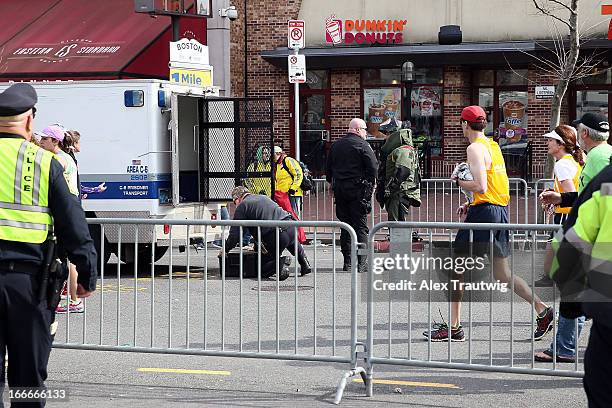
x=339 y=31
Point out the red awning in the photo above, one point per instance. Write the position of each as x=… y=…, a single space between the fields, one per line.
x=65 y=39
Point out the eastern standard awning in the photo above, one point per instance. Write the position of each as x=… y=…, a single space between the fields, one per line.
x=70 y=39
x=389 y=56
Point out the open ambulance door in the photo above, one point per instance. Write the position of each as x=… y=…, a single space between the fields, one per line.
x=185 y=138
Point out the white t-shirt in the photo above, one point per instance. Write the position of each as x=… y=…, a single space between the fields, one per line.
x=565 y=169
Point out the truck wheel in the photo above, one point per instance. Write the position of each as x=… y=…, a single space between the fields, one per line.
x=144 y=254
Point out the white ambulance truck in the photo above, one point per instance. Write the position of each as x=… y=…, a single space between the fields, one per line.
x=141 y=139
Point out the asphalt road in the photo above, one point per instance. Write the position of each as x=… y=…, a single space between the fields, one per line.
x=191 y=320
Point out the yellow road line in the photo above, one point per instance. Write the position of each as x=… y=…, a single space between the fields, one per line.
x=412 y=383
x=182 y=371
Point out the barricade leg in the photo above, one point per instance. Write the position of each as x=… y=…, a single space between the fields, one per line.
x=363 y=372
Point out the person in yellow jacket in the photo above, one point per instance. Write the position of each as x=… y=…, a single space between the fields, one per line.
x=260 y=185
x=288 y=177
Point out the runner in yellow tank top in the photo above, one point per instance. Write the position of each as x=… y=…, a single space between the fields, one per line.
x=497 y=191
x=491 y=196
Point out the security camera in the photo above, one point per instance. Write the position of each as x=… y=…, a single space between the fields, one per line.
x=229 y=12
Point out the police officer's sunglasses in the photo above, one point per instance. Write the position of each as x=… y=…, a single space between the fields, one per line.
x=33 y=112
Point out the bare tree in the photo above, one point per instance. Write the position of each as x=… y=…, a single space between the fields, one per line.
x=566 y=64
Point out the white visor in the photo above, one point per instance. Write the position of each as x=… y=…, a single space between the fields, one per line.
x=554 y=135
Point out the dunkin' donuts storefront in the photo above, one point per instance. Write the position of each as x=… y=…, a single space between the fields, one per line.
x=357 y=55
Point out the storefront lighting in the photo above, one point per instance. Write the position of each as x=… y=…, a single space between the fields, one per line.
x=408 y=73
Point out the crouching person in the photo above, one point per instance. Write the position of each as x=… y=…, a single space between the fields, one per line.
x=259 y=207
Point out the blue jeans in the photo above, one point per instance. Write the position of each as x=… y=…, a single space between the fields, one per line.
x=296 y=204
x=566 y=336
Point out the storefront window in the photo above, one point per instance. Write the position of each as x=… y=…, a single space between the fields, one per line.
x=426 y=114
x=380 y=105
x=512 y=118
x=591 y=101
x=391 y=76
x=386 y=97
x=487 y=101
x=317 y=79
x=512 y=77
x=429 y=75
x=484 y=77
x=601 y=77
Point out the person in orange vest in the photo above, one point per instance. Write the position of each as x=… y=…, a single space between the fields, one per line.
x=569 y=160
x=490 y=205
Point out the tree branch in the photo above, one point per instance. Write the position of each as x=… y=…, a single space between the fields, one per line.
x=549 y=14
x=565 y=6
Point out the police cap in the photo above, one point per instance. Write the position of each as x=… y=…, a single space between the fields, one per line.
x=17 y=99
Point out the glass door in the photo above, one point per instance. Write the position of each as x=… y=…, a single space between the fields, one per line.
x=315 y=127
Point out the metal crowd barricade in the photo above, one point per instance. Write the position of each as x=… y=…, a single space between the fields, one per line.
x=500 y=333
x=191 y=306
x=439 y=201
x=539 y=186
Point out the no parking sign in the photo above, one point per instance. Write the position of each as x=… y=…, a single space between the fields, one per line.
x=295 y=34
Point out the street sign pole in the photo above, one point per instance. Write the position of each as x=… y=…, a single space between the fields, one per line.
x=295 y=41
x=296 y=89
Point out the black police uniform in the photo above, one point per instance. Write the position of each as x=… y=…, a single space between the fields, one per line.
x=24 y=319
x=351 y=168
x=260 y=207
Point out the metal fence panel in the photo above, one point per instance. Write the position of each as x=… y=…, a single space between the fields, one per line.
x=197 y=304
x=500 y=325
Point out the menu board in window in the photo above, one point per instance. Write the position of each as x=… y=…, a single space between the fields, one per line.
x=380 y=105
x=513 y=118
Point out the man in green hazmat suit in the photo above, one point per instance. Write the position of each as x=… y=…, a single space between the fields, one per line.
x=398 y=185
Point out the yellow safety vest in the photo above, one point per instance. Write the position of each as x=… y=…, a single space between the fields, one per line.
x=498 y=187
x=24 y=191
x=576 y=180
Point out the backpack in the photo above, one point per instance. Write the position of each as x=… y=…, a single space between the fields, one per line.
x=307 y=181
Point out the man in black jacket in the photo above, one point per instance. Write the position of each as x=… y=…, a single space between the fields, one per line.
x=351 y=168
x=259 y=207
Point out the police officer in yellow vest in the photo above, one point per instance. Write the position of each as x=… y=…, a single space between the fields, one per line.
x=582 y=268
x=34 y=202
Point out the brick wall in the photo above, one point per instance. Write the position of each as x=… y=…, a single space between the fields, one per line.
x=539 y=117
x=267 y=29
x=345 y=100
x=457 y=95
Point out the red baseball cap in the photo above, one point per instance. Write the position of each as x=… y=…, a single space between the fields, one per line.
x=473 y=114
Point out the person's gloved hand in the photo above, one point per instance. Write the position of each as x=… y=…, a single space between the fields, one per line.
x=366 y=206
x=291 y=192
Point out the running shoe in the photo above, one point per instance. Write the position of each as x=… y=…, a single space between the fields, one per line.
x=441 y=333
x=545 y=323
x=74 y=307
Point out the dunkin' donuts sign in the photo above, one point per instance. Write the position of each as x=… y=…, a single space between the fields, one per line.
x=339 y=31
